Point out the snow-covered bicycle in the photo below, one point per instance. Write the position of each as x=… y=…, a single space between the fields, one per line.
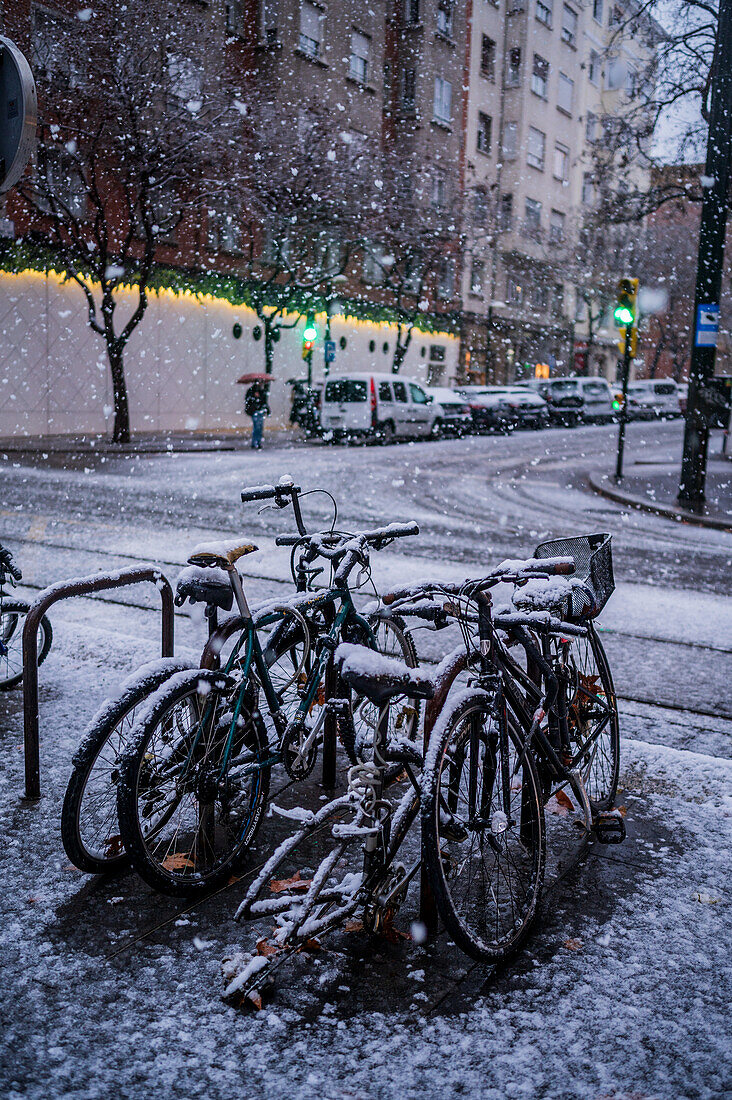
x=12 y=618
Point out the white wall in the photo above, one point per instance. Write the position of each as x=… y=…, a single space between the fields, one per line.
x=181 y=364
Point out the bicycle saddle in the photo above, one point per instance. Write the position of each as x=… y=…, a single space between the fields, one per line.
x=198 y=586
x=380 y=678
x=220 y=554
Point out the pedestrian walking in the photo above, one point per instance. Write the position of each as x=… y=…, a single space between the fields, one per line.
x=256 y=406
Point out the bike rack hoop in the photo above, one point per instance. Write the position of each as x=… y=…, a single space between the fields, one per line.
x=78 y=586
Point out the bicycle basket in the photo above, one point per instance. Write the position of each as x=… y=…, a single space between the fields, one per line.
x=593 y=561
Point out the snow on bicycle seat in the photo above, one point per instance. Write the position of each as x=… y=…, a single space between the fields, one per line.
x=221 y=554
x=380 y=678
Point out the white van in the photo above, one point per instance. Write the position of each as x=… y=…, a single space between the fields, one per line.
x=382 y=406
x=661 y=394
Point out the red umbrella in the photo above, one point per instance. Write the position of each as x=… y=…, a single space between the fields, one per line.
x=254 y=378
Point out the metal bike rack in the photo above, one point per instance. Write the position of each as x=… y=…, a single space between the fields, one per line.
x=80 y=586
x=449 y=671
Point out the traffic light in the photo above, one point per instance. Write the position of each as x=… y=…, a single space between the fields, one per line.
x=618 y=402
x=626 y=303
x=309 y=336
x=633 y=342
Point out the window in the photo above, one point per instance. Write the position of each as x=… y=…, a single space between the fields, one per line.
x=588 y=189
x=488 y=58
x=400 y=392
x=535 y=148
x=419 y=397
x=186 y=77
x=540 y=76
x=224 y=231
x=532 y=218
x=233 y=18
x=561 y=162
x=413 y=275
x=565 y=94
x=513 y=72
x=597 y=6
x=384 y=391
x=51 y=49
x=485 y=132
x=444 y=17
x=63 y=183
x=269 y=20
x=569 y=26
x=477 y=275
x=556 y=226
x=311 y=19
x=510 y=140
x=412 y=11
x=540 y=296
x=442 y=111
x=506 y=213
x=514 y=291
x=439 y=191
x=437 y=353
x=544 y=11
x=594 y=67
x=591 y=127
x=615 y=74
x=446 y=281
x=558 y=300
x=409 y=89
x=373 y=266
x=480 y=206
x=579 y=306
x=360 y=52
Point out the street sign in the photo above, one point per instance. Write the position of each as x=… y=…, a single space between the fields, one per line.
x=18 y=110
x=329 y=351
x=707 y=325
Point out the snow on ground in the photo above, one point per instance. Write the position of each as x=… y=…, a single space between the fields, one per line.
x=110 y=990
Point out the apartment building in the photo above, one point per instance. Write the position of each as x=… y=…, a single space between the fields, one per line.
x=544 y=79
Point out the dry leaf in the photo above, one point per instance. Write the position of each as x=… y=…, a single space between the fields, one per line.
x=573 y=945
x=621 y=810
x=277 y=885
x=559 y=805
x=177 y=862
x=353 y=926
x=255 y=1000
x=312 y=945
x=564 y=800
x=265 y=948
x=113 y=846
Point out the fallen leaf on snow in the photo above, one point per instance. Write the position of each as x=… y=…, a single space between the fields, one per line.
x=177 y=862
x=277 y=885
x=573 y=944
x=265 y=948
x=707 y=899
x=353 y=926
x=559 y=804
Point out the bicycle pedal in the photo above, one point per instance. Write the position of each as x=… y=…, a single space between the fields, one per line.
x=609 y=827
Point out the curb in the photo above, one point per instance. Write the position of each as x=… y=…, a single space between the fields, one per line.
x=670 y=511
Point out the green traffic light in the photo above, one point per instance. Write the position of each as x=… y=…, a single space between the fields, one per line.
x=617 y=405
x=310 y=333
x=623 y=316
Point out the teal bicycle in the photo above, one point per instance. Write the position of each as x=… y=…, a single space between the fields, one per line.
x=193 y=784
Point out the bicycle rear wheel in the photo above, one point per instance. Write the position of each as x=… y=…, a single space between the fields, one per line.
x=189 y=800
x=592 y=712
x=12 y=620
x=483 y=831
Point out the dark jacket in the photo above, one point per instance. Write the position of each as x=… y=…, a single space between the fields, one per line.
x=256 y=400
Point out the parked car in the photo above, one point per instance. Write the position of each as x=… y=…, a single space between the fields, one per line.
x=531 y=408
x=640 y=402
x=377 y=406
x=455 y=417
x=661 y=394
x=563 y=397
x=489 y=408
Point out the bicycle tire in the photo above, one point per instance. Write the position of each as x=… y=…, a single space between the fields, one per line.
x=445 y=835
x=172 y=865
x=12 y=620
x=601 y=771
x=105 y=738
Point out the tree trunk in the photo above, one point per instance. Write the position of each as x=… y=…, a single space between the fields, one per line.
x=400 y=350
x=121 y=431
x=268 y=349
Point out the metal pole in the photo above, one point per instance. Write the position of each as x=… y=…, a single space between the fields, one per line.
x=710 y=262
x=330 y=731
x=624 y=407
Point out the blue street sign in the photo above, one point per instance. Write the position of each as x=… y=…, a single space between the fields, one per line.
x=329 y=351
x=707 y=326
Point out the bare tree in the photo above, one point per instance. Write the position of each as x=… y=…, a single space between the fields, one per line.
x=134 y=141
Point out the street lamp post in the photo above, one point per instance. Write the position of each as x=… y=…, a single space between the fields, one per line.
x=710 y=264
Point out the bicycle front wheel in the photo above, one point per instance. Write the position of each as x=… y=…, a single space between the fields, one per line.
x=592 y=713
x=192 y=790
x=483 y=831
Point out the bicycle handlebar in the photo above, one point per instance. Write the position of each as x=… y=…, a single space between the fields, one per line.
x=7 y=564
x=509 y=571
x=270 y=492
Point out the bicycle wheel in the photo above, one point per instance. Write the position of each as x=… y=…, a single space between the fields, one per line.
x=12 y=619
x=190 y=796
x=89 y=828
x=593 y=719
x=393 y=640
x=483 y=831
